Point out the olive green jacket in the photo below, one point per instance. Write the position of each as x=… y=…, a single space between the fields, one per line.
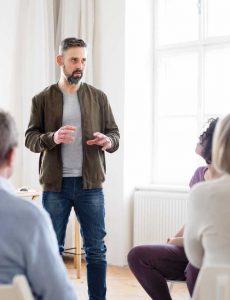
x=46 y=118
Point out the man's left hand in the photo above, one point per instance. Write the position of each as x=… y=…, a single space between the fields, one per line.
x=100 y=140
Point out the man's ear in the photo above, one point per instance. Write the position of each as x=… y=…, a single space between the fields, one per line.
x=59 y=60
x=10 y=157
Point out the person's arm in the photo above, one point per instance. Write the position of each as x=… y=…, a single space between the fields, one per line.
x=111 y=129
x=177 y=239
x=109 y=139
x=36 y=139
x=45 y=269
x=193 y=230
x=180 y=232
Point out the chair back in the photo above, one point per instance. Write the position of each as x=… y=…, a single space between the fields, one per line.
x=18 y=290
x=213 y=283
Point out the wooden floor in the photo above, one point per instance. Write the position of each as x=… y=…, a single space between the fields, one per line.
x=121 y=284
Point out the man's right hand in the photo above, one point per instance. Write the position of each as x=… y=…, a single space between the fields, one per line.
x=65 y=135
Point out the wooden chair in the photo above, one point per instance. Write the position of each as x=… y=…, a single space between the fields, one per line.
x=18 y=290
x=213 y=283
x=171 y=284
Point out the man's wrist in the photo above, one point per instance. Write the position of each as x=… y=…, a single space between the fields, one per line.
x=110 y=141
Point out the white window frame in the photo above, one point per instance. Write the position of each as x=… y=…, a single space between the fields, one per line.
x=200 y=46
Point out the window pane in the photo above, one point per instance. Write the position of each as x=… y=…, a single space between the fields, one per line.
x=178 y=84
x=216 y=85
x=175 y=159
x=218 y=19
x=177 y=21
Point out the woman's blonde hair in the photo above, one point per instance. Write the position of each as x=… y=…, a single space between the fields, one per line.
x=221 y=145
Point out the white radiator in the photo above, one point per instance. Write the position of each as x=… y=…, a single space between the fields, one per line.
x=158 y=214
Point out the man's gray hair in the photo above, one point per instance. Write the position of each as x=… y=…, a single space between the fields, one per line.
x=70 y=43
x=8 y=135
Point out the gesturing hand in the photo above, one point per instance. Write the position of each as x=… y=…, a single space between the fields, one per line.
x=100 y=140
x=64 y=135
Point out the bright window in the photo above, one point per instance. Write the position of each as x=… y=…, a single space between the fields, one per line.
x=192 y=71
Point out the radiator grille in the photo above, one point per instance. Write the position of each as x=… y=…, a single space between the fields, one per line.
x=158 y=215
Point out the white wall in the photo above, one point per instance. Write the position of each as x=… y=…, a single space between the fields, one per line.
x=110 y=76
x=123 y=69
x=138 y=102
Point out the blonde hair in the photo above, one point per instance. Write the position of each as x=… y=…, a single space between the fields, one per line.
x=221 y=145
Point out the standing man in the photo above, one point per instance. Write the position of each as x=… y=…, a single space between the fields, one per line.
x=71 y=125
x=28 y=242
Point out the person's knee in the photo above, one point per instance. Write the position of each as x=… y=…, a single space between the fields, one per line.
x=134 y=255
x=96 y=254
x=149 y=255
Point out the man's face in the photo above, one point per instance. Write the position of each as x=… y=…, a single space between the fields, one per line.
x=73 y=64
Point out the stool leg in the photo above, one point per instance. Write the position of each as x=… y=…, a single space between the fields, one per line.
x=77 y=256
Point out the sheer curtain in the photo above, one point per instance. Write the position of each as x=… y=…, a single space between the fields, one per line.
x=27 y=55
x=30 y=32
x=76 y=18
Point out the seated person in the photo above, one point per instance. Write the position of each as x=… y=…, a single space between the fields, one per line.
x=28 y=244
x=153 y=265
x=207 y=230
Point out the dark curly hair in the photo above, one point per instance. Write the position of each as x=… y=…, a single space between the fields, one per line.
x=205 y=140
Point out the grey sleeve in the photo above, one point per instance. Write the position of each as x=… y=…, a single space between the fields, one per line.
x=111 y=128
x=46 y=271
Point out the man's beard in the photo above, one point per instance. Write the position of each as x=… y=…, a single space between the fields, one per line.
x=73 y=79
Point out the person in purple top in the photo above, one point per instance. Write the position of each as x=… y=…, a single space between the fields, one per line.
x=153 y=265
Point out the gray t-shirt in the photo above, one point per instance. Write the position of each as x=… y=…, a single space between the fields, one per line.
x=72 y=153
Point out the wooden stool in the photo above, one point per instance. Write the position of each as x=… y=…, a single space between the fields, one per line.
x=34 y=195
x=77 y=254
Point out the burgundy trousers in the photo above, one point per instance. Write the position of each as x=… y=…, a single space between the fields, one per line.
x=153 y=265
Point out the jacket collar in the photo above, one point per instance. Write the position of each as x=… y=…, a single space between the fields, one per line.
x=56 y=86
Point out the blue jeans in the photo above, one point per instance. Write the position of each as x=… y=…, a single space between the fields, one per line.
x=90 y=211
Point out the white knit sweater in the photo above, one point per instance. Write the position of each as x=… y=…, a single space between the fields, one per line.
x=207 y=231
